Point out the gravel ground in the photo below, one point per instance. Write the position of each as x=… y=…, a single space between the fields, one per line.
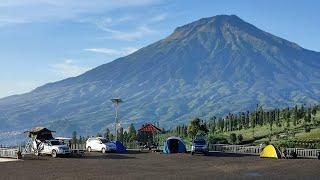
x=139 y=165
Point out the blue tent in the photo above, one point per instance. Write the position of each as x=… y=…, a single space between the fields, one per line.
x=174 y=145
x=120 y=147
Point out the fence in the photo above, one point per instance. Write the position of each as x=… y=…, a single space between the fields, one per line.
x=239 y=149
x=8 y=153
x=306 y=153
x=255 y=150
x=78 y=146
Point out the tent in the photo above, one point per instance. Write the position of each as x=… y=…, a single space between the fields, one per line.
x=40 y=133
x=270 y=151
x=120 y=147
x=174 y=145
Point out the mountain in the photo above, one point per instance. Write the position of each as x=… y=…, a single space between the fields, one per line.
x=209 y=67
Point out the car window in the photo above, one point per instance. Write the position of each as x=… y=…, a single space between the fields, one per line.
x=104 y=141
x=200 y=141
x=55 y=143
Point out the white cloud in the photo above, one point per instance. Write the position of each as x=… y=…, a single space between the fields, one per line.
x=113 y=52
x=138 y=33
x=68 y=69
x=158 y=18
x=23 y=11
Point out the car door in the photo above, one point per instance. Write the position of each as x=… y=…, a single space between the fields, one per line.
x=96 y=145
x=47 y=147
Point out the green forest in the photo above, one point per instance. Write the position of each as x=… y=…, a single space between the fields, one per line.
x=297 y=126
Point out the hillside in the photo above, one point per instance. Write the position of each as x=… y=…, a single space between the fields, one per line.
x=209 y=67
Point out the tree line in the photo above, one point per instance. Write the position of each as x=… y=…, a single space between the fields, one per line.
x=285 y=117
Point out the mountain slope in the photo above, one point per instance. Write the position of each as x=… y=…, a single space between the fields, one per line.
x=205 y=68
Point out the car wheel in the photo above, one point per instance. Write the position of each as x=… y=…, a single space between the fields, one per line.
x=54 y=153
x=89 y=149
x=36 y=152
x=192 y=153
x=103 y=150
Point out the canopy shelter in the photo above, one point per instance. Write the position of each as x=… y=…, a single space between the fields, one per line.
x=174 y=145
x=270 y=151
x=150 y=128
x=40 y=133
x=148 y=136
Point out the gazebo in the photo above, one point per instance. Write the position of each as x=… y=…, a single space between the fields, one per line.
x=147 y=135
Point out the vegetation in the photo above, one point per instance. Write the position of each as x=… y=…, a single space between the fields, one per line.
x=287 y=126
x=291 y=127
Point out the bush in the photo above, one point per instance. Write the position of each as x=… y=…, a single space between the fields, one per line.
x=307 y=128
x=233 y=138
x=240 y=138
x=216 y=139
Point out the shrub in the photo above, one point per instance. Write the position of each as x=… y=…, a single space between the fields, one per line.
x=240 y=138
x=307 y=128
x=233 y=138
x=216 y=139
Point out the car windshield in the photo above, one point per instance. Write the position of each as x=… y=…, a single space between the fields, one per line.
x=55 y=143
x=104 y=141
x=200 y=141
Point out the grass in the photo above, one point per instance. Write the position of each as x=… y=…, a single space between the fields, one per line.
x=261 y=133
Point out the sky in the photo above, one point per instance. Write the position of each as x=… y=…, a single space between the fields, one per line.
x=44 y=41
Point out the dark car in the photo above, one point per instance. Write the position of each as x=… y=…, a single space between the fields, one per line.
x=199 y=146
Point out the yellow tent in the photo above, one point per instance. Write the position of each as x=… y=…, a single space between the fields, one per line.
x=270 y=152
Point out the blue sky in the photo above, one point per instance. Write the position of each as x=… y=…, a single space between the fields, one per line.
x=44 y=41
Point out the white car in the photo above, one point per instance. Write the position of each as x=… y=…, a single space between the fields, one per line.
x=100 y=144
x=52 y=147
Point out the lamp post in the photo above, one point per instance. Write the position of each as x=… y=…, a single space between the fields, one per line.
x=116 y=102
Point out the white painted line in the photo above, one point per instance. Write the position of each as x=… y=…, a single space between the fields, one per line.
x=8 y=160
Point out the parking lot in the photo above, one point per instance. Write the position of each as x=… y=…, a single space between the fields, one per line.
x=147 y=165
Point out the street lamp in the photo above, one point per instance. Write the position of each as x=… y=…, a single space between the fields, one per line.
x=116 y=102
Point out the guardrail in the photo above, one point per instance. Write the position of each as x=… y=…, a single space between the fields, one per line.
x=239 y=149
x=305 y=153
x=9 y=153
x=255 y=150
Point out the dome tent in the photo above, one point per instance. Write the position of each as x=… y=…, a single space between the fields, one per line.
x=270 y=151
x=174 y=145
x=120 y=147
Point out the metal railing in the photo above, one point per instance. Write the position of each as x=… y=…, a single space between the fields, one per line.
x=256 y=150
x=239 y=149
x=9 y=153
x=305 y=153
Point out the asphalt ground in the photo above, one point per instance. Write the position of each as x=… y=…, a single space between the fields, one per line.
x=148 y=165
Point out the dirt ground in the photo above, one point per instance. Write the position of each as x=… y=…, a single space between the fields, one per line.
x=145 y=165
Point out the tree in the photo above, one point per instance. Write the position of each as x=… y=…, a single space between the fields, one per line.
x=132 y=133
x=74 y=137
x=120 y=135
x=99 y=134
x=111 y=137
x=106 y=134
x=194 y=127
x=126 y=137
x=314 y=110
x=295 y=115
x=308 y=116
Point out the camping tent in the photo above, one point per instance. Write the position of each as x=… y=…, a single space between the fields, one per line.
x=174 y=145
x=270 y=151
x=120 y=147
x=40 y=133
